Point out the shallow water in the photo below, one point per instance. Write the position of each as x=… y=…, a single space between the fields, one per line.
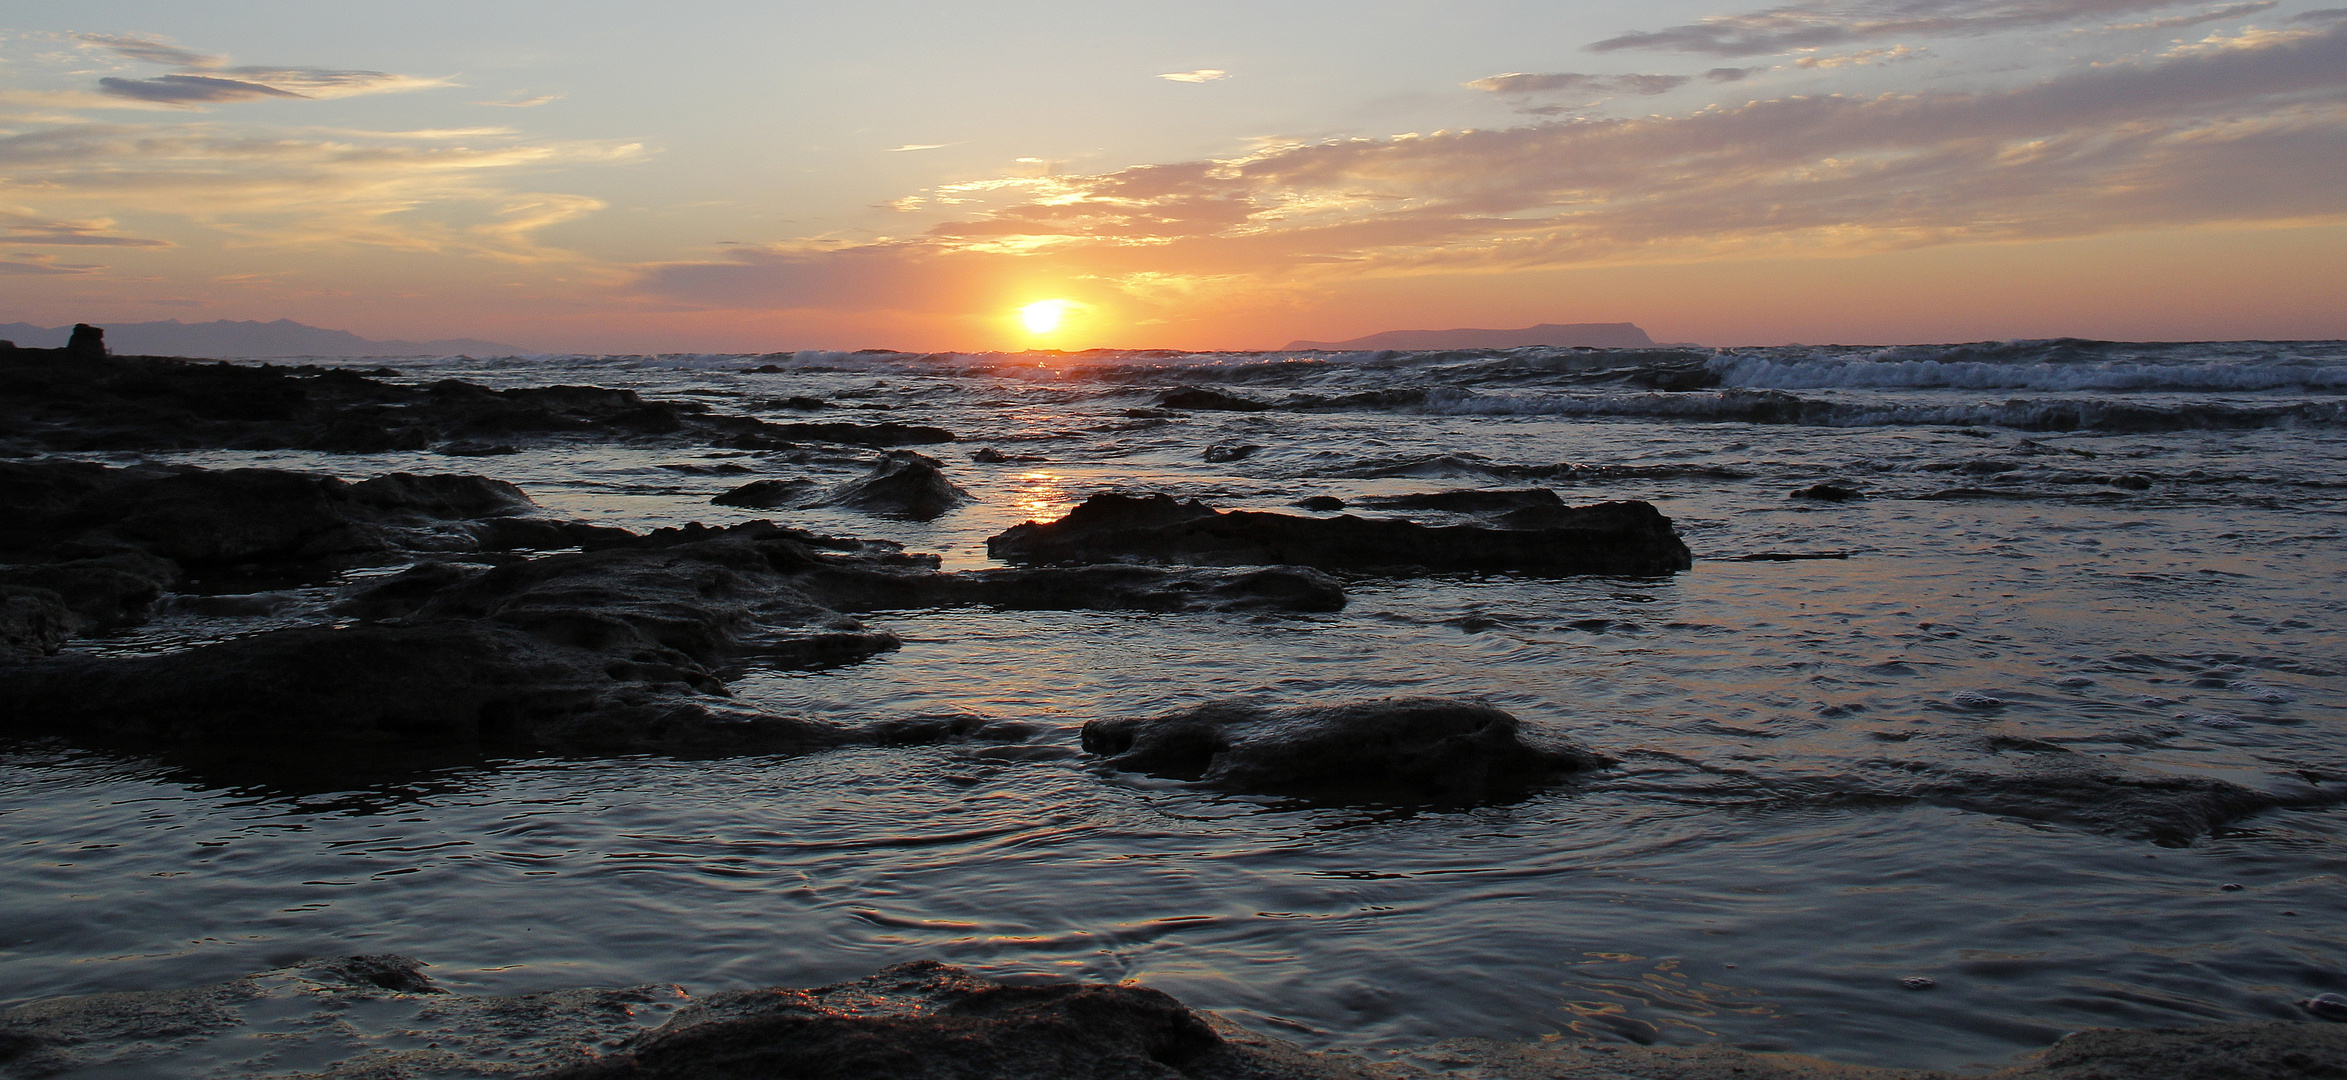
x=2001 y=602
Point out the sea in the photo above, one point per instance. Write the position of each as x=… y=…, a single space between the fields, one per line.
x=2061 y=555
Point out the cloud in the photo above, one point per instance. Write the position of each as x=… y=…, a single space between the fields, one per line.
x=2227 y=12
x=2247 y=134
x=153 y=51
x=523 y=103
x=7 y=267
x=917 y=146
x=205 y=79
x=1519 y=84
x=1862 y=58
x=24 y=227
x=295 y=189
x=1732 y=74
x=1798 y=26
x=190 y=89
x=1198 y=76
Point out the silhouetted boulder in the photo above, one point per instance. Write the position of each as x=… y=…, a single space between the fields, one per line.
x=441 y=495
x=1387 y=750
x=1622 y=538
x=86 y=342
x=767 y=494
x=106 y=592
x=1198 y=397
x=1826 y=493
x=901 y=484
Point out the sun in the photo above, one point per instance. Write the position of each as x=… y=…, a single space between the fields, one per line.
x=1044 y=316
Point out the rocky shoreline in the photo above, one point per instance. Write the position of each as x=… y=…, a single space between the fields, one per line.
x=383 y=1017
x=467 y=622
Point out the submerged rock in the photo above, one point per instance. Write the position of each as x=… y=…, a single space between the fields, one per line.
x=1826 y=493
x=767 y=494
x=901 y=484
x=1389 y=749
x=33 y=622
x=1197 y=397
x=1624 y=538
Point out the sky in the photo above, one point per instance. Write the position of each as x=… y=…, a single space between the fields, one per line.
x=701 y=175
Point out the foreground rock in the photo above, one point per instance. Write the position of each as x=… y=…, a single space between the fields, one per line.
x=624 y=648
x=1389 y=750
x=381 y=1017
x=1619 y=538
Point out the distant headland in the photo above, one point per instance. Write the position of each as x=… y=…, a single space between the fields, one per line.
x=284 y=337
x=1604 y=335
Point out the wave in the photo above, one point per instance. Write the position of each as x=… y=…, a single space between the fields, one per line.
x=1814 y=373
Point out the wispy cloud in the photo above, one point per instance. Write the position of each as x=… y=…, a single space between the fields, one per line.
x=22 y=226
x=1519 y=84
x=289 y=189
x=908 y=147
x=2247 y=133
x=205 y=79
x=190 y=89
x=1814 y=25
x=523 y=103
x=2229 y=11
x=1198 y=76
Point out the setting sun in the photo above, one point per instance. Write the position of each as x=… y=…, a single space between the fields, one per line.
x=1043 y=316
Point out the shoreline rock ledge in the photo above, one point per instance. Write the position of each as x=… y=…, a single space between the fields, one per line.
x=381 y=1016
x=1627 y=539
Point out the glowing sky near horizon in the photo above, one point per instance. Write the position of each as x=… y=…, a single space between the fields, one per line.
x=758 y=176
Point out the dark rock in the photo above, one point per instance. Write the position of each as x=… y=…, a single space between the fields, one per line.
x=2131 y=482
x=475 y=448
x=87 y=341
x=2327 y=1006
x=1321 y=503
x=767 y=494
x=1470 y=501
x=33 y=623
x=991 y=456
x=1624 y=538
x=535 y=534
x=799 y=404
x=1389 y=750
x=1198 y=397
x=442 y=495
x=402 y=593
x=927 y=1021
x=1826 y=493
x=103 y=593
x=901 y=484
x=1220 y=454
x=198 y=517
x=439 y=686
x=359 y=435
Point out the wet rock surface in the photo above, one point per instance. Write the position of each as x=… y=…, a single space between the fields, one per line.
x=1618 y=538
x=1388 y=750
x=901 y=484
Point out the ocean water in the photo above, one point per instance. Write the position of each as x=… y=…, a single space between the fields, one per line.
x=2068 y=555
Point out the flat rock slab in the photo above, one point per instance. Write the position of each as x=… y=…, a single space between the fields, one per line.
x=1394 y=750
x=1614 y=538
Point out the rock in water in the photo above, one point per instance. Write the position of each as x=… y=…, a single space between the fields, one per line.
x=766 y=494
x=1624 y=538
x=924 y=1021
x=1405 y=750
x=901 y=484
x=1197 y=397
